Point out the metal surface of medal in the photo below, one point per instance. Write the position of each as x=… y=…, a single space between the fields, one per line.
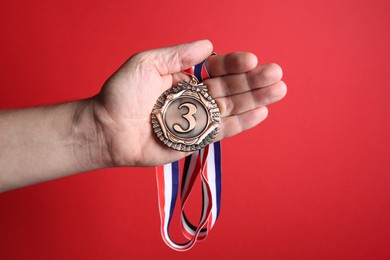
x=186 y=117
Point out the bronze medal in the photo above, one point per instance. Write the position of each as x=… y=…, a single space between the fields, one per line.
x=186 y=117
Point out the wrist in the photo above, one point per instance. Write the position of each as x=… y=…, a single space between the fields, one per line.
x=90 y=141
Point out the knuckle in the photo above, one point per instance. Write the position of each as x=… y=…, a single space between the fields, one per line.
x=140 y=57
x=142 y=61
x=228 y=106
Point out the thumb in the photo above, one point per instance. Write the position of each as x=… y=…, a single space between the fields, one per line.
x=176 y=58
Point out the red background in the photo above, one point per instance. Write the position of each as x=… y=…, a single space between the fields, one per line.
x=311 y=182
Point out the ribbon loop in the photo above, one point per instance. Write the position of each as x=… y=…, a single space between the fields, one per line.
x=205 y=163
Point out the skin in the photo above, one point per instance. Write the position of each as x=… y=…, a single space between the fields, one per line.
x=113 y=128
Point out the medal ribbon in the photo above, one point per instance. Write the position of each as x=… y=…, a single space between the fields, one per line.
x=205 y=163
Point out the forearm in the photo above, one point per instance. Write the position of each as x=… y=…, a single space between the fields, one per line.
x=44 y=143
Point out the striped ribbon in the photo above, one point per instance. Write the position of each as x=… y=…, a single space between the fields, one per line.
x=205 y=163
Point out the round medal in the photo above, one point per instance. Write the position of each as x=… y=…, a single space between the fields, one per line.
x=186 y=117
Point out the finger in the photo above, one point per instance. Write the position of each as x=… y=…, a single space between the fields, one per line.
x=261 y=76
x=232 y=63
x=170 y=60
x=230 y=126
x=240 y=103
x=236 y=124
x=220 y=65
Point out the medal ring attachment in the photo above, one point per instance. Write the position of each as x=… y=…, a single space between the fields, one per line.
x=186 y=117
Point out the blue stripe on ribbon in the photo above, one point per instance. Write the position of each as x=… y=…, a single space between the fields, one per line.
x=175 y=187
x=198 y=71
x=218 y=175
x=187 y=163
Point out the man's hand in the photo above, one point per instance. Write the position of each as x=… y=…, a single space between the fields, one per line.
x=114 y=127
x=122 y=109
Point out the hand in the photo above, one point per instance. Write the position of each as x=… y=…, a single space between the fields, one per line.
x=114 y=127
x=122 y=109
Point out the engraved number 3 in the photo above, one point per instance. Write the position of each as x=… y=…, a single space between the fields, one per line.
x=189 y=117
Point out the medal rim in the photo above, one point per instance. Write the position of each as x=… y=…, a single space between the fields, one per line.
x=199 y=93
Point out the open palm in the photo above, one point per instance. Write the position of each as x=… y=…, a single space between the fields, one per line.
x=240 y=87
